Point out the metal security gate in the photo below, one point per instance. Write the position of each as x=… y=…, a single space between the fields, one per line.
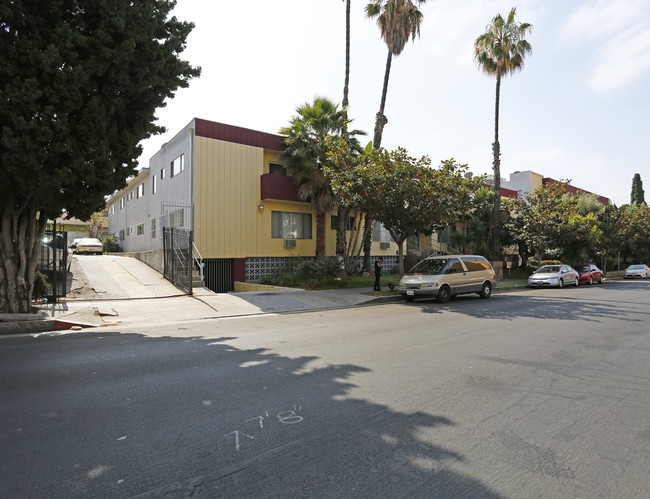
x=54 y=263
x=177 y=251
x=219 y=274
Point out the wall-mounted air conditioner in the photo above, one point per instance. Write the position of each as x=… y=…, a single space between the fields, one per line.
x=384 y=245
x=289 y=243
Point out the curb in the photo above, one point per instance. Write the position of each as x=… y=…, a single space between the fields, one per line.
x=39 y=326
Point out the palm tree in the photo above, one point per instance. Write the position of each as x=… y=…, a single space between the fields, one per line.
x=398 y=20
x=305 y=154
x=342 y=212
x=500 y=51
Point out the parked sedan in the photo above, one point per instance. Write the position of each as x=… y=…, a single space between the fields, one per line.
x=554 y=275
x=89 y=245
x=637 y=271
x=589 y=274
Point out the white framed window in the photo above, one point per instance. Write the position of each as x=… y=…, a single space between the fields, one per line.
x=122 y=235
x=139 y=229
x=154 y=184
x=178 y=165
x=112 y=209
x=162 y=173
x=140 y=191
x=122 y=203
x=130 y=231
x=380 y=233
x=176 y=218
x=153 y=227
x=288 y=225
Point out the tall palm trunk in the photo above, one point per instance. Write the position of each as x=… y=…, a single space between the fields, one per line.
x=320 y=235
x=497 y=217
x=381 y=119
x=380 y=122
x=342 y=212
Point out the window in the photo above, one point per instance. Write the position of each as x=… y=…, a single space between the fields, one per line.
x=113 y=209
x=130 y=233
x=176 y=218
x=287 y=225
x=454 y=263
x=154 y=184
x=380 y=234
x=162 y=174
x=334 y=221
x=178 y=165
x=153 y=228
x=122 y=235
x=140 y=191
x=140 y=229
x=122 y=203
x=277 y=169
x=475 y=263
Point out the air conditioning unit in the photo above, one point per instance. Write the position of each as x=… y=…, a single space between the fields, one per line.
x=289 y=243
x=384 y=245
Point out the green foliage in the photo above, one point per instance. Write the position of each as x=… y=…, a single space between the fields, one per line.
x=80 y=84
x=323 y=268
x=306 y=139
x=111 y=245
x=41 y=285
x=638 y=194
x=284 y=280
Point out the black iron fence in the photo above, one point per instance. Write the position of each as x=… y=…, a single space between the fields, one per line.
x=177 y=251
x=53 y=261
x=218 y=274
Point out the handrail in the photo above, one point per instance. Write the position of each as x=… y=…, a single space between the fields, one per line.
x=199 y=260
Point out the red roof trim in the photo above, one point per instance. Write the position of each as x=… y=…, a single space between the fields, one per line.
x=238 y=135
x=575 y=190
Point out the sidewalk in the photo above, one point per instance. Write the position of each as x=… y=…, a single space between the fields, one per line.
x=121 y=291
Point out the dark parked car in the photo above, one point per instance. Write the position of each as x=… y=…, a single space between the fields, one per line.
x=589 y=274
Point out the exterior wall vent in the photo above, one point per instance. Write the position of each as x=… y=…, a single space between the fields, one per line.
x=289 y=243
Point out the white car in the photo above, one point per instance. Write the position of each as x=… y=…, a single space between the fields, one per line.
x=637 y=271
x=89 y=245
x=554 y=275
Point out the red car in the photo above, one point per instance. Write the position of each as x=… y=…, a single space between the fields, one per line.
x=588 y=274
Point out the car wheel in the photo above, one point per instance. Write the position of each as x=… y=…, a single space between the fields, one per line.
x=486 y=290
x=444 y=294
x=577 y=282
x=561 y=283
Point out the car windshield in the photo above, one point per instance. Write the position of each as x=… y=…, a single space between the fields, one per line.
x=548 y=269
x=582 y=268
x=433 y=266
x=636 y=267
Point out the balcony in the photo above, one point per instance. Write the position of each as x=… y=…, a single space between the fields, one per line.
x=278 y=187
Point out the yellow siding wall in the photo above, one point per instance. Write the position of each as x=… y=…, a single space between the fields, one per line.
x=270 y=156
x=228 y=223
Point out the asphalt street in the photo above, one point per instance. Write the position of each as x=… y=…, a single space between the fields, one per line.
x=542 y=393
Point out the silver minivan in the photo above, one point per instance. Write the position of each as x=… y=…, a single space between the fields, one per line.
x=445 y=276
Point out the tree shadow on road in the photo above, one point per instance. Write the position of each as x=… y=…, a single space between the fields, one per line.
x=176 y=416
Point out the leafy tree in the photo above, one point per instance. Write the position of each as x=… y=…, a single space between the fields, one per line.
x=636 y=231
x=500 y=51
x=543 y=218
x=96 y=222
x=306 y=155
x=403 y=193
x=611 y=222
x=638 y=194
x=80 y=83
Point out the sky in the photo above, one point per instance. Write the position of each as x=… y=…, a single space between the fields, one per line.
x=579 y=110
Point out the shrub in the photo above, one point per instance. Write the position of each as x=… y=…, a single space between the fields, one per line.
x=111 y=245
x=326 y=267
x=41 y=286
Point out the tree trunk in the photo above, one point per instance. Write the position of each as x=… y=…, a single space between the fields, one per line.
x=320 y=235
x=497 y=217
x=346 y=86
x=367 y=244
x=341 y=230
x=21 y=233
x=380 y=119
x=400 y=255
